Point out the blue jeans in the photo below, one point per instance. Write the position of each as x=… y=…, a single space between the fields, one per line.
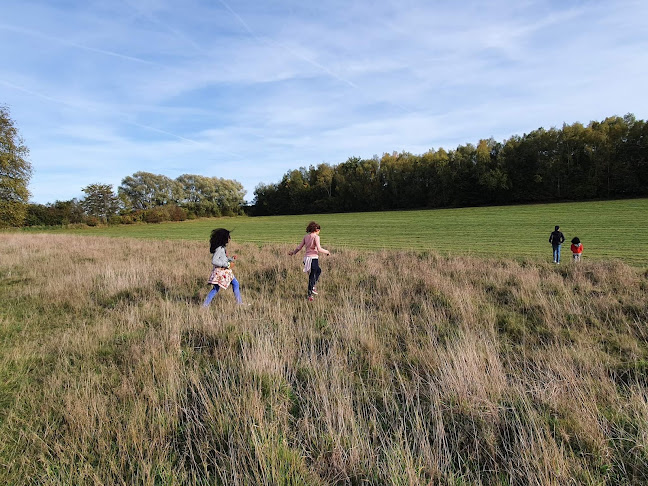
x=556 y=253
x=313 y=275
x=214 y=291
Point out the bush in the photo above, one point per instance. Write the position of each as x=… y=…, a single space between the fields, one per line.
x=155 y=215
x=176 y=214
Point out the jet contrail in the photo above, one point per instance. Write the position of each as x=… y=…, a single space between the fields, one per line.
x=33 y=33
x=150 y=17
x=123 y=116
x=285 y=48
x=300 y=56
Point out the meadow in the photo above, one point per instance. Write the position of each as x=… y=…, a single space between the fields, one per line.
x=410 y=367
x=608 y=229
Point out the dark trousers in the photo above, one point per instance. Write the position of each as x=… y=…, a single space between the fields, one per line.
x=313 y=275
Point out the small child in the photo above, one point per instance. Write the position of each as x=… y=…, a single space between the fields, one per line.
x=311 y=261
x=221 y=275
x=576 y=248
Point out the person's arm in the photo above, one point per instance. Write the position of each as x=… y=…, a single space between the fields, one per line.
x=296 y=250
x=319 y=247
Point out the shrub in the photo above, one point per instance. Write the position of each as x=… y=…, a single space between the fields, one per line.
x=176 y=214
x=155 y=215
x=129 y=218
x=93 y=221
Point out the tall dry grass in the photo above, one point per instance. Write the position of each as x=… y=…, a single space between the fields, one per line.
x=407 y=369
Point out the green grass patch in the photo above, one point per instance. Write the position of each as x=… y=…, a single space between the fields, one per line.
x=608 y=229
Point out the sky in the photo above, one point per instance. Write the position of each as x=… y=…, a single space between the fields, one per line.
x=249 y=89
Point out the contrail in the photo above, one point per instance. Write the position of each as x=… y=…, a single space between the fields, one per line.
x=33 y=93
x=85 y=108
x=285 y=48
x=300 y=56
x=123 y=116
x=33 y=33
x=150 y=17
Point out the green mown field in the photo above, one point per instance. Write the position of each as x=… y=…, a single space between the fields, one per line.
x=608 y=229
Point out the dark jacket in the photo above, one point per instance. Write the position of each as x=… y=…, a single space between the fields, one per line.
x=556 y=238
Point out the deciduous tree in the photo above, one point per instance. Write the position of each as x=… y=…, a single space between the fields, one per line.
x=15 y=172
x=100 y=201
x=144 y=190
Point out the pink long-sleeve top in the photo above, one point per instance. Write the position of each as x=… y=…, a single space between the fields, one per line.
x=312 y=243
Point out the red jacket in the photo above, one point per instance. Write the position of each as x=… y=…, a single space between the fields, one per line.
x=577 y=248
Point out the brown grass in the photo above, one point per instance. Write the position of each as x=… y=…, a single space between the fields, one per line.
x=407 y=369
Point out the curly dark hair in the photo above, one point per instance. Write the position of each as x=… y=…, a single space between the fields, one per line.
x=219 y=237
x=312 y=226
x=576 y=240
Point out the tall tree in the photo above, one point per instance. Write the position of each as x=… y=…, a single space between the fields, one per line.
x=321 y=182
x=231 y=195
x=211 y=196
x=15 y=172
x=358 y=184
x=144 y=190
x=100 y=201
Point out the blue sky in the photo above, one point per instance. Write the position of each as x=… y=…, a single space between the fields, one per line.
x=248 y=90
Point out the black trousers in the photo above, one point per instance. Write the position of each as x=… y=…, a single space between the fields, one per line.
x=314 y=275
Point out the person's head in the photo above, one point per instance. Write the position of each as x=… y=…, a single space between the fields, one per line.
x=312 y=227
x=557 y=228
x=576 y=240
x=219 y=237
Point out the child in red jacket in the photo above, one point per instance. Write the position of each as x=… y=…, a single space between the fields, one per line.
x=576 y=248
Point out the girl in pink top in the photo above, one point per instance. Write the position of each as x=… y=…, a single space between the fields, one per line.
x=311 y=261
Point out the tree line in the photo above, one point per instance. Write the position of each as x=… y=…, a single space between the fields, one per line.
x=607 y=159
x=602 y=160
x=143 y=196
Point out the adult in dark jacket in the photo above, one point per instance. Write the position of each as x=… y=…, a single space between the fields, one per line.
x=556 y=238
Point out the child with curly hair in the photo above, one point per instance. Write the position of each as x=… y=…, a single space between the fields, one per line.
x=311 y=261
x=221 y=275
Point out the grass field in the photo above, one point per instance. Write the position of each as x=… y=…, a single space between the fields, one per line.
x=407 y=369
x=610 y=229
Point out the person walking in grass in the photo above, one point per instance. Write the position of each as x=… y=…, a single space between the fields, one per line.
x=576 y=248
x=311 y=261
x=221 y=275
x=556 y=238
